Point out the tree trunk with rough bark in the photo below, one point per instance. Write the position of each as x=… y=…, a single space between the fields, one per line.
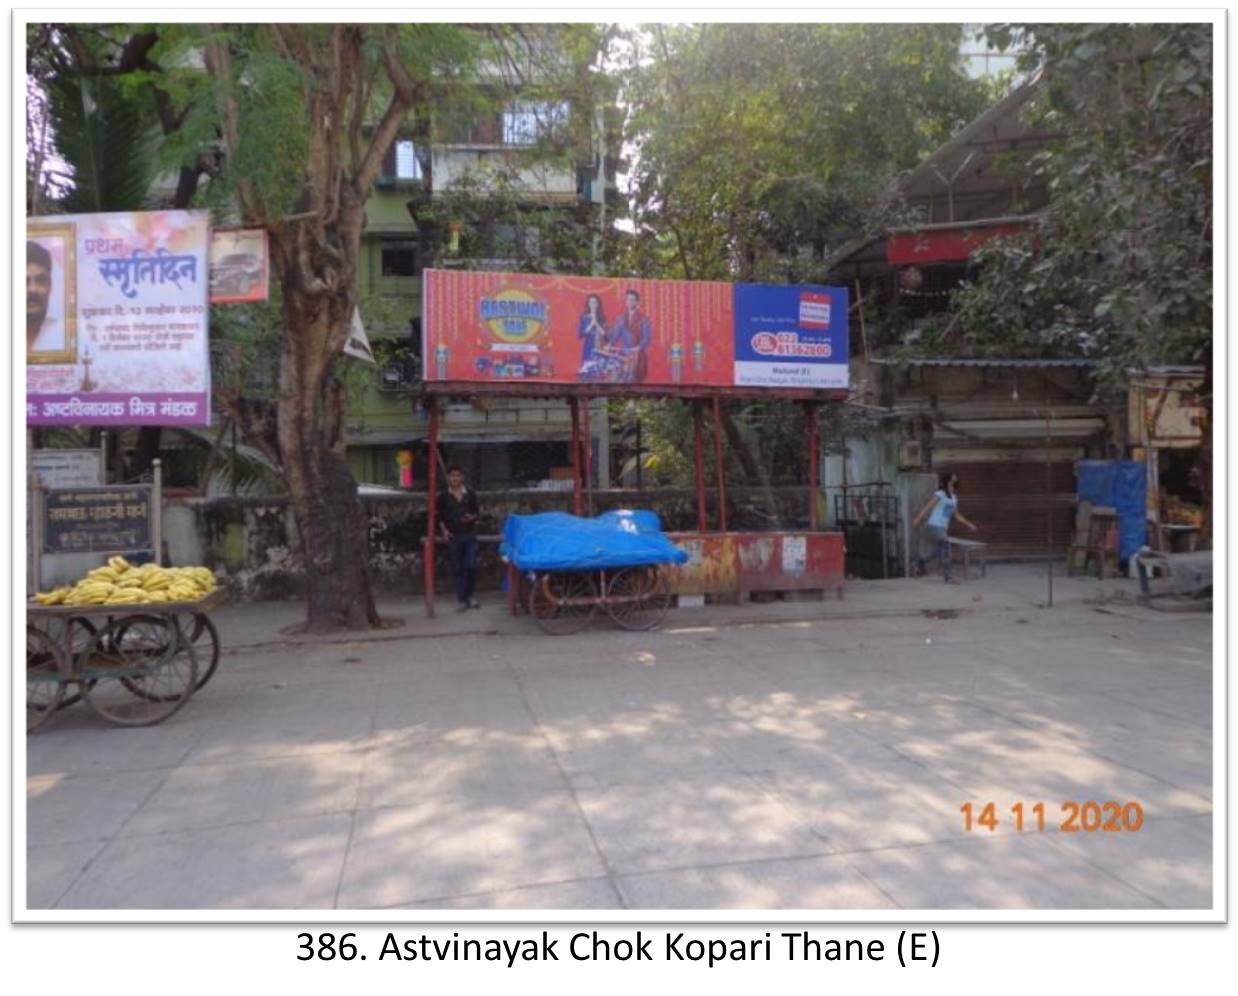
x=310 y=417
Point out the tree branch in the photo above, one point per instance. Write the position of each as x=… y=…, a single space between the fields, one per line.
x=219 y=65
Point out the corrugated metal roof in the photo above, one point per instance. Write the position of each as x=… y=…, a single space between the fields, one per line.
x=989 y=361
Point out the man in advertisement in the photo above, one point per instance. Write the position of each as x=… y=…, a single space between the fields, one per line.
x=633 y=332
x=44 y=330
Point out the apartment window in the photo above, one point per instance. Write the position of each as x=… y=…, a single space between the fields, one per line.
x=525 y=122
x=407 y=165
x=399 y=258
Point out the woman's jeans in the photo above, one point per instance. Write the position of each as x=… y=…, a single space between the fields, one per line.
x=941 y=547
x=464 y=566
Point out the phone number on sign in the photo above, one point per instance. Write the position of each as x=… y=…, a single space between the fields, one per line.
x=1074 y=817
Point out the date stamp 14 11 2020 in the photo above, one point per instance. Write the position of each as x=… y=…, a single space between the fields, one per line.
x=1070 y=817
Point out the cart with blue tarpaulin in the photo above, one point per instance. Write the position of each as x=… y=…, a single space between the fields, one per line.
x=573 y=566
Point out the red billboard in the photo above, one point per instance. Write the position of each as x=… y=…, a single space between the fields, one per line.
x=528 y=328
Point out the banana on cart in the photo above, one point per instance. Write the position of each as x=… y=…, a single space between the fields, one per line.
x=120 y=583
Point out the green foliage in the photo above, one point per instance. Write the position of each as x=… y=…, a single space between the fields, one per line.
x=1121 y=268
x=761 y=148
x=107 y=136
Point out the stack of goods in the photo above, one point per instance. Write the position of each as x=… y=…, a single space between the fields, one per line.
x=1180 y=513
x=120 y=583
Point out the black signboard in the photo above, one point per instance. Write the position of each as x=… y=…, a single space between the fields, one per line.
x=97 y=520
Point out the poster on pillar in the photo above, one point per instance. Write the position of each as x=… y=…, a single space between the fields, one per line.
x=505 y=328
x=117 y=319
x=791 y=336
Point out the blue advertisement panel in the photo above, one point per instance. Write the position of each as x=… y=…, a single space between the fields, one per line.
x=792 y=336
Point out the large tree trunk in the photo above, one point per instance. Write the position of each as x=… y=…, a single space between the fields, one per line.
x=318 y=301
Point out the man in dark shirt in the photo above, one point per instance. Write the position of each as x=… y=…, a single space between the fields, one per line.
x=457 y=516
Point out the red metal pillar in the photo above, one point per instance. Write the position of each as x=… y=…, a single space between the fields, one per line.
x=721 y=463
x=586 y=432
x=814 y=465
x=430 y=554
x=698 y=419
x=574 y=404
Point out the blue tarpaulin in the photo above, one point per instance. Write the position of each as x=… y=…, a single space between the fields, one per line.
x=1123 y=486
x=556 y=541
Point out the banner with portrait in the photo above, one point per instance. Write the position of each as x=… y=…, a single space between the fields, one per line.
x=510 y=328
x=117 y=319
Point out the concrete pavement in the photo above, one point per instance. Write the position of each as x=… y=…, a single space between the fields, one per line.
x=800 y=755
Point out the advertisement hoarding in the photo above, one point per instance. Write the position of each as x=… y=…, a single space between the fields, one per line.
x=790 y=336
x=519 y=328
x=239 y=266
x=117 y=319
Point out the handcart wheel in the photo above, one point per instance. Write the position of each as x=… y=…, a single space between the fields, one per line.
x=638 y=598
x=198 y=631
x=46 y=669
x=74 y=634
x=139 y=670
x=563 y=602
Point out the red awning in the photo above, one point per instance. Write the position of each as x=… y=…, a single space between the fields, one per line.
x=944 y=245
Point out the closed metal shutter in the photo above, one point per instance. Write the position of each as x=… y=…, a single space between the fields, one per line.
x=1009 y=503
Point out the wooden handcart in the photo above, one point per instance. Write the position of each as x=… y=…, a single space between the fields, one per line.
x=565 y=602
x=134 y=664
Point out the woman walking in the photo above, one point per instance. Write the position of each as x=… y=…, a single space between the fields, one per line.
x=941 y=507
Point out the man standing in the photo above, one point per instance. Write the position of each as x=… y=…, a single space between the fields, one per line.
x=634 y=332
x=458 y=515
x=43 y=334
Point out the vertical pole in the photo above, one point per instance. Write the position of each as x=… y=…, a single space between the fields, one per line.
x=574 y=404
x=721 y=464
x=698 y=420
x=814 y=465
x=103 y=457
x=36 y=532
x=431 y=549
x=156 y=510
x=586 y=438
x=234 y=458
x=1049 y=496
x=640 y=458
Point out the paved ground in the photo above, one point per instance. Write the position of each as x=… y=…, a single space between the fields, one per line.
x=798 y=755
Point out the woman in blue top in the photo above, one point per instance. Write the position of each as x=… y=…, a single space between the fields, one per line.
x=939 y=510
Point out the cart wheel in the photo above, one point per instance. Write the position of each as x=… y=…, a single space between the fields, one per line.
x=45 y=673
x=563 y=602
x=199 y=631
x=638 y=598
x=202 y=635
x=75 y=633
x=139 y=670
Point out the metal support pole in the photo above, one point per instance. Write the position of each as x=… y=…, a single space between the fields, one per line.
x=156 y=510
x=36 y=532
x=103 y=457
x=1049 y=496
x=574 y=405
x=430 y=554
x=721 y=464
x=814 y=465
x=586 y=438
x=698 y=420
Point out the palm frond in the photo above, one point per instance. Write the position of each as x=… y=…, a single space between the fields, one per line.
x=255 y=475
x=107 y=137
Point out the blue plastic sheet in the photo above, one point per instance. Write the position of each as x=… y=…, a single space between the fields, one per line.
x=556 y=541
x=1096 y=481
x=1123 y=486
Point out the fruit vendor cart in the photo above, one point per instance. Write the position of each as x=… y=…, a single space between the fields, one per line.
x=135 y=664
x=570 y=567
